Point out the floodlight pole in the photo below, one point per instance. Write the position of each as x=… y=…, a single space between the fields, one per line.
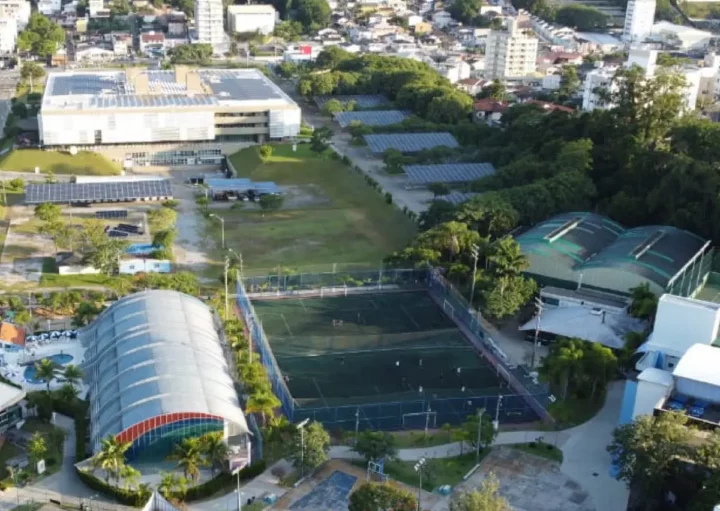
x=539 y=308
x=475 y=251
x=481 y=411
x=227 y=307
x=222 y=227
x=239 y=493
x=497 y=411
x=301 y=427
x=419 y=466
x=357 y=424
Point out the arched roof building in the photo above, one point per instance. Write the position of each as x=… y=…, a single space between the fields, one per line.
x=157 y=373
x=579 y=248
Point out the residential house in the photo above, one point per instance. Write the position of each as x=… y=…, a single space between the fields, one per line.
x=441 y=19
x=471 y=85
x=8 y=35
x=93 y=53
x=152 y=42
x=176 y=24
x=49 y=7
x=489 y=110
x=122 y=43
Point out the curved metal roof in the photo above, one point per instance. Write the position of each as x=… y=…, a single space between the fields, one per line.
x=657 y=252
x=154 y=353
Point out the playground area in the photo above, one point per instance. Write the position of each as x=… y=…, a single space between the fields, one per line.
x=369 y=349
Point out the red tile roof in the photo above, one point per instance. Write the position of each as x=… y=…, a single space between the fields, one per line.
x=12 y=334
x=489 y=105
x=153 y=38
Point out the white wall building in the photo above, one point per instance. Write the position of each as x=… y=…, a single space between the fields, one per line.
x=8 y=35
x=147 y=106
x=95 y=7
x=251 y=18
x=49 y=7
x=639 y=19
x=209 y=23
x=679 y=36
x=18 y=9
x=510 y=53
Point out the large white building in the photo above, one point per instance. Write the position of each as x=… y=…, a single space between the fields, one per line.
x=251 y=18
x=146 y=106
x=18 y=9
x=510 y=53
x=209 y=22
x=49 y=7
x=639 y=19
x=95 y=7
x=8 y=35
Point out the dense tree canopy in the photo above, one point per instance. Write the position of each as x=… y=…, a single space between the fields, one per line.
x=191 y=54
x=313 y=14
x=581 y=17
x=41 y=36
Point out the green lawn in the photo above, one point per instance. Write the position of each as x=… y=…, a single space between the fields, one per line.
x=547 y=451
x=7 y=451
x=332 y=216
x=440 y=471
x=83 y=163
x=411 y=439
x=573 y=412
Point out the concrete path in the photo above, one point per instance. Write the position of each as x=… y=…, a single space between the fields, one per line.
x=585 y=458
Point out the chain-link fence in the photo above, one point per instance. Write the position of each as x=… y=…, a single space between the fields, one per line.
x=31 y=497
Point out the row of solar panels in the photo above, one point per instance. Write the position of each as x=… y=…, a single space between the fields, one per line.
x=361 y=100
x=98 y=192
x=410 y=142
x=449 y=173
x=371 y=117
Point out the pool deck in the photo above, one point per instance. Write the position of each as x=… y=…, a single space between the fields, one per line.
x=16 y=360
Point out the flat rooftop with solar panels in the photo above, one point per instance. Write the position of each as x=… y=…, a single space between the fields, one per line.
x=85 y=193
x=449 y=173
x=410 y=142
x=148 y=106
x=371 y=117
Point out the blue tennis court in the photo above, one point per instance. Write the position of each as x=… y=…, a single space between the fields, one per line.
x=330 y=495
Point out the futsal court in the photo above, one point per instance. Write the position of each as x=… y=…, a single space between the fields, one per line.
x=372 y=348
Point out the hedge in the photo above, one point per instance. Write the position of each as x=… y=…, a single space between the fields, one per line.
x=201 y=491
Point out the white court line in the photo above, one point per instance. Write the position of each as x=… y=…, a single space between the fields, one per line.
x=286 y=325
x=303 y=305
x=410 y=317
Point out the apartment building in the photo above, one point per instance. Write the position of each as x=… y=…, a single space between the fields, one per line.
x=8 y=35
x=639 y=19
x=251 y=18
x=209 y=22
x=510 y=53
x=17 y=9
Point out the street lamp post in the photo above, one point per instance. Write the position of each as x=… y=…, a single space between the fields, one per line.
x=227 y=306
x=475 y=251
x=236 y=472
x=222 y=227
x=419 y=467
x=539 y=307
x=481 y=411
x=301 y=427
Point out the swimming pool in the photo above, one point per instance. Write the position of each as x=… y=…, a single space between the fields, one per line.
x=60 y=359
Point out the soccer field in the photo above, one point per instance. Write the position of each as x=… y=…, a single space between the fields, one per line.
x=372 y=348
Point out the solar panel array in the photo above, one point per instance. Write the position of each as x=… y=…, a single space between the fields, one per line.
x=371 y=117
x=457 y=198
x=362 y=100
x=242 y=185
x=97 y=192
x=112 y=213
x=410 y=142
x=448 y=172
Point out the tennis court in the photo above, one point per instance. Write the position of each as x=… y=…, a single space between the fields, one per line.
x=372 y=348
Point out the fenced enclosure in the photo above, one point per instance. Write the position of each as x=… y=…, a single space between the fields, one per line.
x=380 y=350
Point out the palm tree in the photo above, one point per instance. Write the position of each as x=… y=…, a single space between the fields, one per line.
x=215 y=450
x=111 y=457
x=507 y=258
x=45 y=370
x=144 y=491
x=189 y=457
x=130 y=476
x=168 y=482
x=67 y=393
x=73 y=374
x=262 y=401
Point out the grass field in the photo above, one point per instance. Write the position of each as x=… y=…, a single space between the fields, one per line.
x=340 y=219
x=371 y=348
x=83 y=163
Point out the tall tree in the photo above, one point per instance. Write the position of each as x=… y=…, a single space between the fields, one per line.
x=189 y=457
x=486 y=498
x=647 y=449
x=316 y=442
x=506 y=259
x=72 y=374
x=46 y=371
x=313 y=14
x=600 y=365
x=111 y=457
x=564 y=363
x=376 y=497
x=48 y=211
x=504 y=295
x=37 y=449
x=262 y=401
x=643 y=304
x=215 y=450
x=41 y=36
x=569 y=83
x=375 y=445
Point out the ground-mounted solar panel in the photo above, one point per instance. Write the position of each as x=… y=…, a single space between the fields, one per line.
x=410 y=142
x=98 y=192
x=361 y=100
x=371 y=117
x=421 y=175
x=112 y=213
x=457 y=198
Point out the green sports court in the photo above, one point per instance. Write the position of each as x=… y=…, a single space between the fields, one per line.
x=370 y=348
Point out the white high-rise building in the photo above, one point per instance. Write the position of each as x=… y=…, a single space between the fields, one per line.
x=8 y=35
x=639 y=19
x=209 y=22
x=18 y=9
x=510 y=53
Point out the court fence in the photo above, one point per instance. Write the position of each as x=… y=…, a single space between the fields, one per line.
x=527 y=400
